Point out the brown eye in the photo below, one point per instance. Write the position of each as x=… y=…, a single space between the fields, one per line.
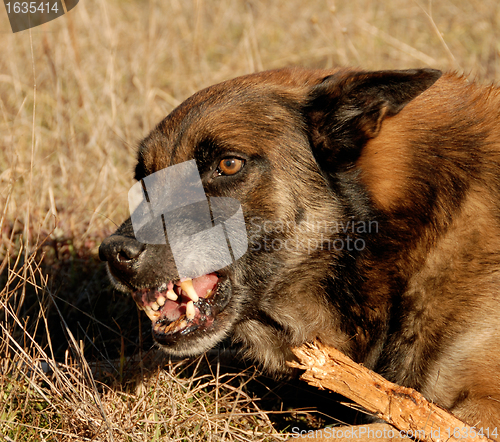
x=230 y=166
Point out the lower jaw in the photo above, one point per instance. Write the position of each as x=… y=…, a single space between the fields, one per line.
x=195 y=339
x=181 y=329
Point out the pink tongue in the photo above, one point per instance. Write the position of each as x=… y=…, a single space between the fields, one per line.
x=204 y=283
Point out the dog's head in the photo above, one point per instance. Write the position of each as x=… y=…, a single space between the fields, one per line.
x=283 y=144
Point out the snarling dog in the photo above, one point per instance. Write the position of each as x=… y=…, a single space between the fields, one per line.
x=372 y=207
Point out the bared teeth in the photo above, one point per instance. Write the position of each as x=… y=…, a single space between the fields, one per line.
x=190 y=313
x=161 y=300
x=175 y=325
x=155 y=306
x=187 y=286
x=209 y=293
x=172 y=295
x=153 y=315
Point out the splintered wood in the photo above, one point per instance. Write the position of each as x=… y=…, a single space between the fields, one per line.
x=404 y=408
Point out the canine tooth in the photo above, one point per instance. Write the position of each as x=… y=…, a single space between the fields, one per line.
x=190 y=310
x=171 y=295
x=155 y=306
x=187 y=286
x=151 y=313
x=209 y=293
x=161 y=300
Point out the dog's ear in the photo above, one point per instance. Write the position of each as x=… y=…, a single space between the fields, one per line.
x=346 y=109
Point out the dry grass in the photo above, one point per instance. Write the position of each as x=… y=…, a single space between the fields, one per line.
x=75 y=96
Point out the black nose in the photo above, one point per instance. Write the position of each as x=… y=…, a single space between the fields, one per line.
x=120 y=251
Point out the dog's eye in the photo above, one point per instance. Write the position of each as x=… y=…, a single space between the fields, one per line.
x=230 y=166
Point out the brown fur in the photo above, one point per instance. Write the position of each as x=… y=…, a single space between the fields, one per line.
x=420 y=303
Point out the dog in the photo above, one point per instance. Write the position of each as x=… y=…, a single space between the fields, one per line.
x=372 y=209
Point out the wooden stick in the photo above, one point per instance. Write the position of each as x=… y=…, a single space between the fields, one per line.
x=404 y=408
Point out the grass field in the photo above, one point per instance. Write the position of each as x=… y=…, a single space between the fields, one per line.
x=76 y=95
